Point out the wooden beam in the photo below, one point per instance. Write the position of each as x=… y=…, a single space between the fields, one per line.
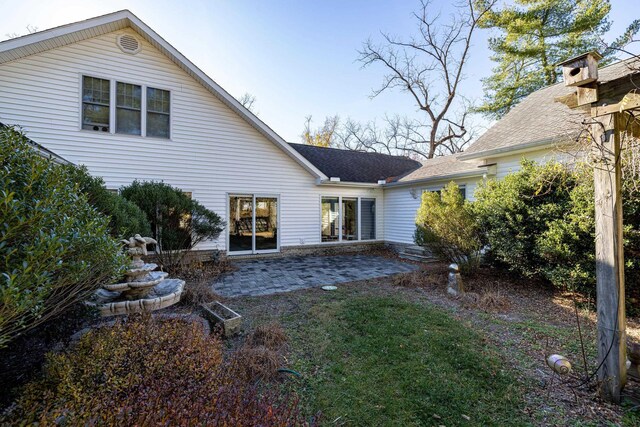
x=613 y=91
x=609 y=256
x=587 y=94
x=630 y=101
x=605 y=110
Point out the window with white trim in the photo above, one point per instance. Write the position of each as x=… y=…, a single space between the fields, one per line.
x=128 y=109
x=137 y=109
x=96 y=97
x=158 y=113
x=347 y=218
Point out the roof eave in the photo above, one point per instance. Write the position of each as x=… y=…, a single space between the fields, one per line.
x=328 y=183
x=520 y=148
x=468 y=174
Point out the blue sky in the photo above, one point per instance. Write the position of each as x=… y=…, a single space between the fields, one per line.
x=296 y=57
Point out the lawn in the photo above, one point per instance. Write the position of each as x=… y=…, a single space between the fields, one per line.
x=375 y=360
x=393 y=352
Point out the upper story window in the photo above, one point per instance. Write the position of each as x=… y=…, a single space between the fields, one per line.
x=157 y=113
x=136 y=109
x=128 y=109
x=96 y=96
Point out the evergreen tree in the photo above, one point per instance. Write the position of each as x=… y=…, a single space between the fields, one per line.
x=535 y=35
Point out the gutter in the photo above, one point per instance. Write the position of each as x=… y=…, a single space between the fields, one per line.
x=326 y=182
x=468 y=174
x=528 y=146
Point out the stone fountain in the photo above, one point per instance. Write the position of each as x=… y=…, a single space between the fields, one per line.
x=143 y=289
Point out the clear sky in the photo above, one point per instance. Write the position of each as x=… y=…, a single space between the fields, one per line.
x=296 y=57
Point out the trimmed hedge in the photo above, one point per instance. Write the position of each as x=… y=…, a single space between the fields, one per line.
x=125 y=218
x=178 y=222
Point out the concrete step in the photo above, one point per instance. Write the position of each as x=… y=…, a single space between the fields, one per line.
x=416 y=250
x=417 y=258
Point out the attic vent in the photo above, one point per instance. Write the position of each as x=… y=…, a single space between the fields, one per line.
x=128 y=44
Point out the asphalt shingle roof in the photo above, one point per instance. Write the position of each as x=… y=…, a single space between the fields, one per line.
x=539 y=118
x=442 y=167
x=356 y=166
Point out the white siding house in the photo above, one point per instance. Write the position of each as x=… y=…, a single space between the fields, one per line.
x=212 y=151
x=113 y=95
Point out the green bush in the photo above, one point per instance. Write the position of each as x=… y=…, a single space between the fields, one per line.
x=144 y=371
x=125 y=218
x=177 y=221
x=445 y=224
x=54 y=246
x=541 y=221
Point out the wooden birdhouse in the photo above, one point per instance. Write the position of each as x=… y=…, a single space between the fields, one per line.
x=581 y=70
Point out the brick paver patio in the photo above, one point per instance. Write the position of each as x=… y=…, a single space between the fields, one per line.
x=272 y=275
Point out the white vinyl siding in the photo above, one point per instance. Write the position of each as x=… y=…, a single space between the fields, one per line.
x=401 y=205
x=212 y=151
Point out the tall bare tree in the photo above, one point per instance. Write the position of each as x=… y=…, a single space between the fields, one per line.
x=429 y=67
x=323 y=136
x=248 y=101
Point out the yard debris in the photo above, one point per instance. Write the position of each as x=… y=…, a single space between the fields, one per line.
x=559 y=364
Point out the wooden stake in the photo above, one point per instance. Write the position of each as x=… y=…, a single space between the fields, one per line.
x=609 y=257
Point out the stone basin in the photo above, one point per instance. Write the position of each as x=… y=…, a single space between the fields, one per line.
x=150 y=279
x=164 y=294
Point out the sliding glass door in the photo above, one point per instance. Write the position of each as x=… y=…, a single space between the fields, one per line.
x=253 y=224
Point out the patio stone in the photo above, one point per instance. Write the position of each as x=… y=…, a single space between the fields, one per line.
x=273 y=275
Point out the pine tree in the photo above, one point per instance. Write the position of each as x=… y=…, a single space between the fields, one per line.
x=535 y=36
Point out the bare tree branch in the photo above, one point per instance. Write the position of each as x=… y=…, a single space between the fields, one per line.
x=429 y=68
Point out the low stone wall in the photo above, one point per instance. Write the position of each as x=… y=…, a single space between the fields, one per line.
x=326 y=249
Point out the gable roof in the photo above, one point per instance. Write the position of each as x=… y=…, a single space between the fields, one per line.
x=538 y=120
x=41 y=41
x=442 y=168
x=356 y=166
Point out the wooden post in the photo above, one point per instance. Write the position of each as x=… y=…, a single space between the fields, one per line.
x=609 y=256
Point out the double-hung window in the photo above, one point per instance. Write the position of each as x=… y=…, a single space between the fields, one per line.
x=96 y=97
x=158 y=113
x=128 y=109
x=135 y=109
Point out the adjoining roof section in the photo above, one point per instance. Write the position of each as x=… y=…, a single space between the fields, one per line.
x=538 y=120
x=442 y=168
x=356 y=166
x=41 y=41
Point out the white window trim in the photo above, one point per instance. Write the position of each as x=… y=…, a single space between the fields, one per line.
x=254 y=196
x=112 y=107
x=359 y=200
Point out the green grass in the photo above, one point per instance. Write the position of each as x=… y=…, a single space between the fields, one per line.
x=377 y=361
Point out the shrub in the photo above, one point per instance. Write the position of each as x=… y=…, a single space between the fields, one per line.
x=143 y=371
x=54 y=246
x=445 y=224
x=178 y=222
x=517 y=215
x=126 y=219
x=540 y=221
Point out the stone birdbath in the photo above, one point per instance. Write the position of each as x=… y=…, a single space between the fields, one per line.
x=143 y=289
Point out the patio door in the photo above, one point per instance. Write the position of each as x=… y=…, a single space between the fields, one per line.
x=253 y=224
